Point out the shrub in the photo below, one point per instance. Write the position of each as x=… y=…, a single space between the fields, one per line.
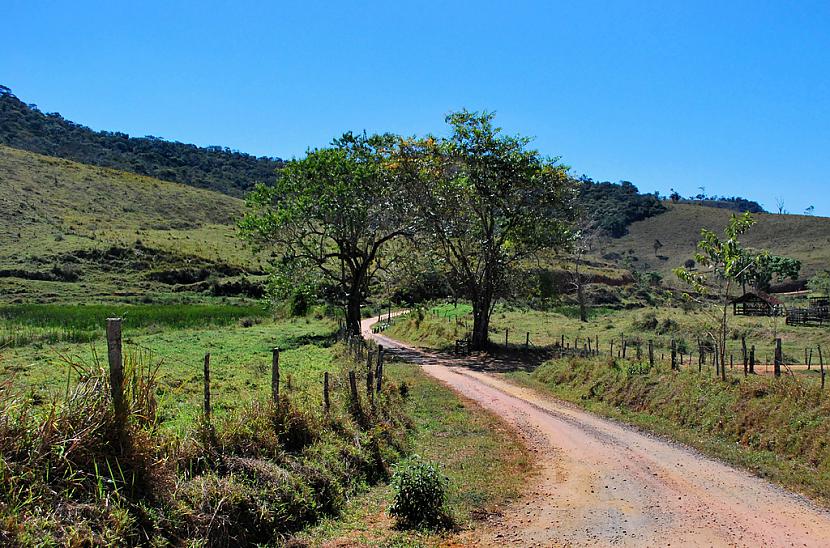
x=420 y=494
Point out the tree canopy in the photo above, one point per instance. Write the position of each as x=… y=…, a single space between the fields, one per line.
x=329 y=216
x=485 y=203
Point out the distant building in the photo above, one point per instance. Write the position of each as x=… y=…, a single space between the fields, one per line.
x=757 y=304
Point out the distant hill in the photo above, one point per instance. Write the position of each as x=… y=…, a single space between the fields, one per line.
x=71 y=231
x=614 y=206
x=25 y=127
x=806 y=238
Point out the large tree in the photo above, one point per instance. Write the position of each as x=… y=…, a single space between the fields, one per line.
x=332 y=218
x=486 y=204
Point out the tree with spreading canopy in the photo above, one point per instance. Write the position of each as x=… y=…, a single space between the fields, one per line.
x=486 y=205
x=333 y=218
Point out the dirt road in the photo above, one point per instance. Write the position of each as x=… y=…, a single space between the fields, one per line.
x=606 y=484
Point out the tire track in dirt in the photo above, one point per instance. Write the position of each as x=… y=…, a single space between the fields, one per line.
x=602 y=483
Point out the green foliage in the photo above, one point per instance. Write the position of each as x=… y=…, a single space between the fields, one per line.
x=420 y=494
x=615 y=206
x=231 y=172
x=762 y=267
x=331 y=217
x=485 y=202
x=820 y=283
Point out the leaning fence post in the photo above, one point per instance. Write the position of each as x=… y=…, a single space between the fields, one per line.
x=743 y=354
x=821 y=365
x=207 y=388
x=326 y=402
x=116 y=364
x=353 y=389
x=673 y=355
x=527 y=340
x=778 y=358
x=379 y=371
x=275 y=375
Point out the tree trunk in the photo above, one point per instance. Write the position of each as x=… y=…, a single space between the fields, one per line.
x=481 y=323
x=353 y=316
x=580 y=294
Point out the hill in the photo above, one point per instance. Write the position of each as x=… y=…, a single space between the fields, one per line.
x=802 y=237
x=73 y=231
x=25 y=127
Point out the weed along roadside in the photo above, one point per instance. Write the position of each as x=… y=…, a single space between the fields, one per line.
x=611 y=476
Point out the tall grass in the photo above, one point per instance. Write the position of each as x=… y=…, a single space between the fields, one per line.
x=72 y=475
x=87 y=317
x=50 y=323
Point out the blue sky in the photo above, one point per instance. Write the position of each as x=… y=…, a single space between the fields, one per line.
x=731 y=96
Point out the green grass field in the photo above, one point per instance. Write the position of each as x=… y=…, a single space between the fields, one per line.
x=175 y=339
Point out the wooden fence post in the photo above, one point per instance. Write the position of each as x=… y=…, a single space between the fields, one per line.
x=527 y=340
x=506 y=333
x=752 y=359
x=207 y=388
x=744 y=355
x=779 y=357
x=821 y=365
x=562 y=344
x=612 y=348
x=116 y=364
x=651 y=353
x=275 y=375
x=353 y=388
x=379 y=371
x=673 y=355
x=596 y=346
x=326 y=401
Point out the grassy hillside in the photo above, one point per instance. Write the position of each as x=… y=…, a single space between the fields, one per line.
x=799 y=236
x=77 y=231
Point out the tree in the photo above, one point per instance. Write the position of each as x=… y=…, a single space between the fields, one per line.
x=333 y=215
x=674 y=196
x=810 y=210
x=585 y=232
x=657 y=245
x=780 y=203
x=762 y=267
x=820 y=283
x=724 y=262
x=486 y=204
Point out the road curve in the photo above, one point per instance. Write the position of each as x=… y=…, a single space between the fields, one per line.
x=602 y=483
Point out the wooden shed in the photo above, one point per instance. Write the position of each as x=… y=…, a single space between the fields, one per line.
x=757 y=304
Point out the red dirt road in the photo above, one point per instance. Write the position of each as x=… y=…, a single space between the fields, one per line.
x=602 y=483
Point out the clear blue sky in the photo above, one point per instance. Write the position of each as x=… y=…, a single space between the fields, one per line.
x=731 y=96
